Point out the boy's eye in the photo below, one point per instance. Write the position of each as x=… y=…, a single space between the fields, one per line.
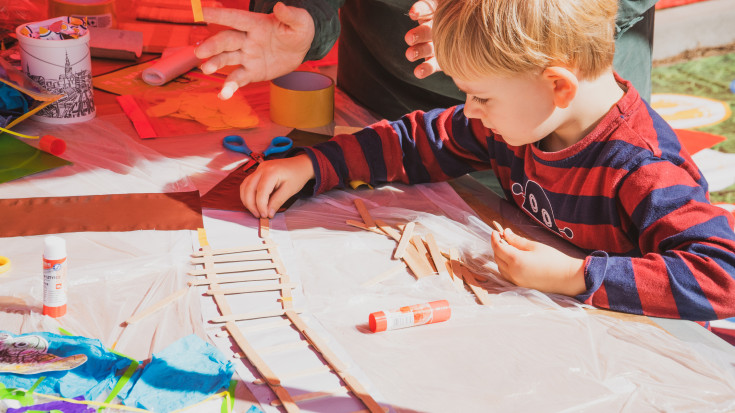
x=480 y=100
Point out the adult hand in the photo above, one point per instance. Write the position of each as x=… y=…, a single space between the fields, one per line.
x=419 y=39
x=273 y=183
x=265 y=46
x=531 y=264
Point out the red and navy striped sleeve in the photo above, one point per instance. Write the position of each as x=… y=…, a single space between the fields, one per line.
x=421 y=147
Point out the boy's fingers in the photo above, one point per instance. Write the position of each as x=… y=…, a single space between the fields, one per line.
x=266 y=186
x=517 y=241
x=242 y=20
x=278 y=198
x=247 y=194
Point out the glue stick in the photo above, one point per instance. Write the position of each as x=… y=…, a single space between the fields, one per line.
x=54 y=276
x=412 y=315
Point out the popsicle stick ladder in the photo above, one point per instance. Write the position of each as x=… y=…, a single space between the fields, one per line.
x=421 y=255
x=215 y=269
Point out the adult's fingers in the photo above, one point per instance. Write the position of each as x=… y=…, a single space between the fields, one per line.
x=221 y=60
x=419 y=34
x=235 y=80
x=242 y=20
x=422 y=10
x=420 y=51
x=224 y=41
x=288 y=16
x=429 y=67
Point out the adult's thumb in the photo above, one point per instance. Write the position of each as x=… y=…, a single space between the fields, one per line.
x=288 y=15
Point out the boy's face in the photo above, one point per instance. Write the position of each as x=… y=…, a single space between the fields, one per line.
x=519 y=108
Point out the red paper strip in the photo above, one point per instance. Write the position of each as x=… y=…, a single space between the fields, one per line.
x=107 y=213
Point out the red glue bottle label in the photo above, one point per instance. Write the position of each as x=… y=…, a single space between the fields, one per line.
x=54 y=276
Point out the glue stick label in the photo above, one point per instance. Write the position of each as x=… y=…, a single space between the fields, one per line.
x=54 y=282
x=413 y=315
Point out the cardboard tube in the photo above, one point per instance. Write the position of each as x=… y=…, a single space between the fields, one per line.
x=302 y=100
x=171 y=66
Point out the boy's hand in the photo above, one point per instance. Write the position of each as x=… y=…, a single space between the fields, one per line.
x=419 y=39
x=273 y=183
x=531 y=264
x=264 y=46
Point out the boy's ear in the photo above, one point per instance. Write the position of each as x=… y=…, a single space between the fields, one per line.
x=564 y=83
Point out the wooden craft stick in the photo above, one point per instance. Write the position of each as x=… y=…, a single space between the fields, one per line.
x=423 y=254
x=305 y=397
x=264 y=227
x=283 y=347
x=411 y=257
x=403 y=242
x=316 y=341
x=500 y=230
x=335 y=363
x=234 y=279
x=250 y=289
x=436 y=255
x=248 y=316
x=235 y=268
x=300 y=374
x=385 y=275
x=157 y=306
x=222 y=259
x=471 y=279
x=281 y=322
x=361 y=225
x=364 y=213
x=250 y=248
x=251 y=354
x=455 y=269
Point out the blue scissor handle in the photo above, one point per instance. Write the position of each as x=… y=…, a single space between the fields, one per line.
x=278 y=144
x=236 y=143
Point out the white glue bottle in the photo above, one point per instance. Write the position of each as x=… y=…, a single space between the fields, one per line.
x=54 y=276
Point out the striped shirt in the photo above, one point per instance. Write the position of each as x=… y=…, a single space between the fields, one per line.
x=628 y=194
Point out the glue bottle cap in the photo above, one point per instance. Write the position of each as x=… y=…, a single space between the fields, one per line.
x=52 y=145
x=54 y=248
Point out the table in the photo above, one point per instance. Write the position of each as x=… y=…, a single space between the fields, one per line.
x=525 y=352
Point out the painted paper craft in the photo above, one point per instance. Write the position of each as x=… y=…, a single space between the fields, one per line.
x=19 y=159
x=29 y=354
x=62 y=406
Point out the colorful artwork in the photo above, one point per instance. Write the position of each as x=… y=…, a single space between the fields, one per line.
x=29 y=355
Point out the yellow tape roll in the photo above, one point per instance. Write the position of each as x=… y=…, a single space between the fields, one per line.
x=302 y=100
x=99 y=13
x=4 y=264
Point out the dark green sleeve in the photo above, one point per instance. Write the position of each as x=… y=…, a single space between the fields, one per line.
x=326 y=21
x=631 y=12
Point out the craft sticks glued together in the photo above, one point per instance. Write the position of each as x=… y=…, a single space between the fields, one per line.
x=208 y=257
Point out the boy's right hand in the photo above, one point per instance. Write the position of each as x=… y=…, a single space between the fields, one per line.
x=273 y=183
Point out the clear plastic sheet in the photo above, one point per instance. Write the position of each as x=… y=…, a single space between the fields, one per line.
x=525 y=352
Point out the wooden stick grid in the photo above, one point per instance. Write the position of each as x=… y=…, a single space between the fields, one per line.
x=207 y=258
x=422 y=256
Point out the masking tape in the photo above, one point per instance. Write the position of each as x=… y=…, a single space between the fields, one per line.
x=4 y=264
x=99 y=13
x=302 y=100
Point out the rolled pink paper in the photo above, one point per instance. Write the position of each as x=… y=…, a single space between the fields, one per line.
x=171 y=66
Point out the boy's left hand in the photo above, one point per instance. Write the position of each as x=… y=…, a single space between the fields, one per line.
x=535 y=265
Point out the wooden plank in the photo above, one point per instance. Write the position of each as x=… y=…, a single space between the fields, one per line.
x=234 y=279
x=364 y=213
x=385 y=275
x=436 y=255
x=251 y=289
x=305 y=397
x=157 y=306
x=403 y=242
x=223 y=251
x=248 y=316
x=235 y=268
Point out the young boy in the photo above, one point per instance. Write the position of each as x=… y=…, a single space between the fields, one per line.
x=572 y=144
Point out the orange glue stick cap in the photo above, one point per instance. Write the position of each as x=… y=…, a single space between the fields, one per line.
x=52 y=145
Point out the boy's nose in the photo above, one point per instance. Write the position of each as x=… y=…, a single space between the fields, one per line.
x=471 y=110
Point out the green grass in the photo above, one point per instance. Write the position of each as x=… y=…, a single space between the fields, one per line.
x=708 y=77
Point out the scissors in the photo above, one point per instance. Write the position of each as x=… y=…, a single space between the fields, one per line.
x=278 y=144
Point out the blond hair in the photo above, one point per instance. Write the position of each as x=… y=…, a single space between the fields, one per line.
x=475 y=38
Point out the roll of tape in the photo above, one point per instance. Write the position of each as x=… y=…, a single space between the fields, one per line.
x=302 y=100
x=99 y=13
x=4 y=264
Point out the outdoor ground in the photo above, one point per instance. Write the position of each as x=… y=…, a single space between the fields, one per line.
x=706 y=73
